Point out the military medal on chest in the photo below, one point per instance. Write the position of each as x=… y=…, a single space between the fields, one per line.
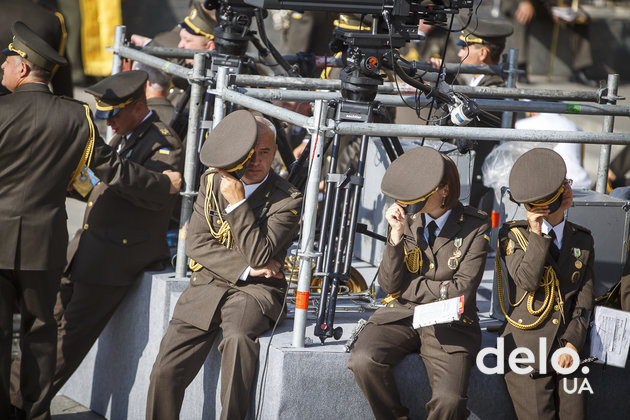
x=577 y=253
x=453 y=262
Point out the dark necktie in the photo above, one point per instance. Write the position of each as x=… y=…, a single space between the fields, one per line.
x=553 y=249
x=432 y=228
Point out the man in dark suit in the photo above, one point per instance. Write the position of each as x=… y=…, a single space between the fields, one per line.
x=117 y=228
x=46 y=143
x=48 y=25
x=239 y=234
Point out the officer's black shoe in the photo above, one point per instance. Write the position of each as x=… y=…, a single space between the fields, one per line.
x=579 y=76
x=17 y=413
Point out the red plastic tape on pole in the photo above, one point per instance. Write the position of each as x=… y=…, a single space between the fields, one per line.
x=301 y=301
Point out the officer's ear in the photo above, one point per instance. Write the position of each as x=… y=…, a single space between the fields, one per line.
x=484 y=53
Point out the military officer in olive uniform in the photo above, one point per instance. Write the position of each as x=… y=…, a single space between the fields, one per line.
x=546 y=249
x=482 y=43
x=46 y=142
x=121 y=236
x=48 y=25
x=239 y=234
x=437 y=253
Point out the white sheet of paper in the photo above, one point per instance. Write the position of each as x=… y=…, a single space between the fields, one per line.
x=440 y=312
x=610 y=336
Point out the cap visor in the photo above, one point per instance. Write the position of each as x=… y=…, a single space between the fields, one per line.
x=188 y=28
x=7 y=52
x=103 y=115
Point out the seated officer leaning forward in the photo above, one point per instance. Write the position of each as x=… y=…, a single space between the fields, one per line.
x=239 y=234
x=550 y=261
x=436 y=253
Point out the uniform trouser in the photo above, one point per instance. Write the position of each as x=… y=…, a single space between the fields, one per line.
x=381 y=347
x=35 y=292
x=544 y=398
x=82 y=311
x=185 y=347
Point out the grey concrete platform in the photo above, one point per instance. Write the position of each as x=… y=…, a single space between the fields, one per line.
x=307 y=383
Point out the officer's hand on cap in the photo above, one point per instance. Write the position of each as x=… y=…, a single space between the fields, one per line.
x=231 y=188
x=535 y=217
x=395 y=216
x=176 y=180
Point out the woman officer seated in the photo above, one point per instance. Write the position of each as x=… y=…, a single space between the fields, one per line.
x=550 y=261
x=437 y=253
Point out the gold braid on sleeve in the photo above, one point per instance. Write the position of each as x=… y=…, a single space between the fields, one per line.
x=549 y=282
x=86 y=157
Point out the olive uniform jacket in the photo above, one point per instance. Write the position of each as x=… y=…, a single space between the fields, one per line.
x=575 y=273
x=122 y=235
x=42 y=138
x=48 y=25
x=263 y=228
x=465 y=224
x=163 y=107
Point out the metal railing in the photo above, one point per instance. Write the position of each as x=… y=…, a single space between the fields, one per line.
x=243 y=90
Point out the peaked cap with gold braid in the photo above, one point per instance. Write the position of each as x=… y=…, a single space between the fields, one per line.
x=199 y=22
x=402 y=180
x=231 y=144
x=537 y=178
x=484 y=30
x=117 y=91
x=28 y=45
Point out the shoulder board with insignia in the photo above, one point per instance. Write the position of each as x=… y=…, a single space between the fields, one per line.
x=503 y=231
x=472 y=211
x=287 y=187
x=294 y=192
x=582 y=228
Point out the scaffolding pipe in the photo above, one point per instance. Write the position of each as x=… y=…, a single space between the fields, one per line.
x=431 y=131
x=190 y=163
x=158 y=63
x=266 y=108
x=481 y=133
x=307 y=240
x=604 y=150
x=507 y=118
x=391 y=87
x=219 y=103
x=485 y=104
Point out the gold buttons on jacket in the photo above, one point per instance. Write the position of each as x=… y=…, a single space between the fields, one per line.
x=124 y=241
x=557 y=307
x=391 y=305
x=86 y=226
x=520 y=321
x=555 y=321
x=193 y=279
x=90 y=204
x=431 y=266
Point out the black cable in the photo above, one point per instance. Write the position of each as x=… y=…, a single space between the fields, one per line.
x=261 y=391
x=274 y=52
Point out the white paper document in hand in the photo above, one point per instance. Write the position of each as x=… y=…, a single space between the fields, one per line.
x=440 y=312
x=610 y=336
